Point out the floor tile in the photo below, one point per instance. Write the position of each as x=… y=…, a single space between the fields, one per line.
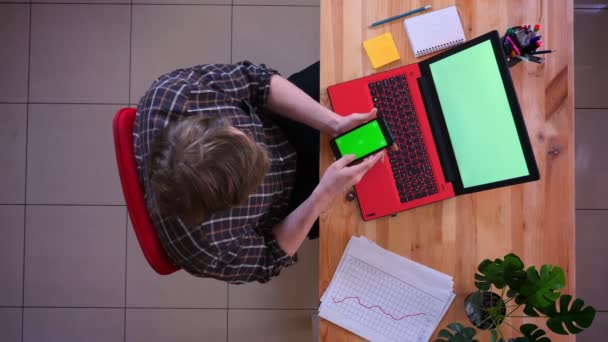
x=146 y=288
x=62 y=325
x=185 y=325
x=270 y=325
x=14 y=33
x=80 y=53
x=184 y=2
x=297 y=287
x=10 y=324
x=590 y=158
x=11 y=255
x=71 y=158
x=75 y=256
x=590 y=68
x=12 y=155
x=284 y=38
x=159 y=48
x=591 y=256
x=598 y=331
x=279 y=2
x=88 y=1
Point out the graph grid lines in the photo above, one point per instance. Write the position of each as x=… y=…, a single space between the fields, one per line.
x=390 y=307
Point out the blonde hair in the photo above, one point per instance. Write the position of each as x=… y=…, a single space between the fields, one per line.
x=200 y=165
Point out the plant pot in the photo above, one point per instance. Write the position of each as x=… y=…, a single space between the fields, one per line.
x=478 y=305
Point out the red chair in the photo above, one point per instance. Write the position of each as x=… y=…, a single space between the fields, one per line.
x=134 y=196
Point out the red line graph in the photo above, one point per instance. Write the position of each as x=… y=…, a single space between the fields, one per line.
x=376 y=306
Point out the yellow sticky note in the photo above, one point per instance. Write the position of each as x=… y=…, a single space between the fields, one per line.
x=381 y=50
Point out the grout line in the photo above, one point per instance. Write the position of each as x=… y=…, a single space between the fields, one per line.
x=27 y=123
x=126 y=273
x=73 y=3
x=69 y=205
x=227 y=310
x=150 y=308
x=231 y=61
x=596 y=108
x=224 y=5
x=130 y=47
x=590 y=209
x=80 y=103
x=154 y=4
x=231 y=29
x=127 y=210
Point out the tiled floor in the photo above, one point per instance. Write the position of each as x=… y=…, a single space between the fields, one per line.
x=71 y=268
x=591 y=123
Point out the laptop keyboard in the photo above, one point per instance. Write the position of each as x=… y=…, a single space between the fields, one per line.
x=411 y=165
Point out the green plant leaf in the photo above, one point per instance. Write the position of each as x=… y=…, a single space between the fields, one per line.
x=540 y=290
x=531 y=311
x=494 y=336
x=574 y=317
x=532 y=333
x=481 y=282
x=456 y=332
x=514 y=274
x=499 y=273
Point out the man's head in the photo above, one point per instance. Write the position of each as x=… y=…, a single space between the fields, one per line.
x=201 y=165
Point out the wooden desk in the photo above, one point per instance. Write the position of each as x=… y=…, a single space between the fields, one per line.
x=534 y=220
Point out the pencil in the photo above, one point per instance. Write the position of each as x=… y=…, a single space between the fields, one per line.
x=400 y=15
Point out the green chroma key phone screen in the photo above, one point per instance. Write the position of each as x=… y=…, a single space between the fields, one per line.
x=478 y=117
x=362 y=140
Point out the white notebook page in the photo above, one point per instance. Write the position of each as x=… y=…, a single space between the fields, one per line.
x=434 y=31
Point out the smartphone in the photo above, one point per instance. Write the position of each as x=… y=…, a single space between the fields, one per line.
x=363 y=140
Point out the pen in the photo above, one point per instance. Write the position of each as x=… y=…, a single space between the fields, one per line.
x=540 y=52
x=400 y=16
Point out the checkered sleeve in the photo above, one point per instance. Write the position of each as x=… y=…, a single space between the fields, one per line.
x=239 y=256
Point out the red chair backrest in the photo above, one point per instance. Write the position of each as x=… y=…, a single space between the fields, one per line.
x=134 y=196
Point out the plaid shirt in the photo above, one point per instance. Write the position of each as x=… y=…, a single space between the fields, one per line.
x=236 y=245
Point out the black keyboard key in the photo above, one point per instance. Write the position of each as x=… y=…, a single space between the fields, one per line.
x=410 y=164
x=419 y=195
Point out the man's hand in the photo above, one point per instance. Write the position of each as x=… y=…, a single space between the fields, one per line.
x=340 y=177
x=351 y=121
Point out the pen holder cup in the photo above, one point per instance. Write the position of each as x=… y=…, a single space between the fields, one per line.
x=506 y=48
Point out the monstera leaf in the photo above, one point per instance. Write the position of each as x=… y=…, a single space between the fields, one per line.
x=481 y=281
x=458 y=333
x=539 y=290
x=532 y=333
x=574 y=317
x=499 y=273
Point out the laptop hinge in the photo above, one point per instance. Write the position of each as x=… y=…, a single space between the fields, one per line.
x=440 y=134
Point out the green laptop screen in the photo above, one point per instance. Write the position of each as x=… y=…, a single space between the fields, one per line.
x=478 y=117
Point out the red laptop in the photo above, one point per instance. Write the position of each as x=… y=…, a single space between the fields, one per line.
x=456 y=120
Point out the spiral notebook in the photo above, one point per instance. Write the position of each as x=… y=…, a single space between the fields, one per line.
x=435 y=31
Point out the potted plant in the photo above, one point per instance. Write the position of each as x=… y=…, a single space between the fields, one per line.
x=504 y=287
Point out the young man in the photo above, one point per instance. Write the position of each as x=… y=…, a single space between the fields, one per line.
x=231 y=194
